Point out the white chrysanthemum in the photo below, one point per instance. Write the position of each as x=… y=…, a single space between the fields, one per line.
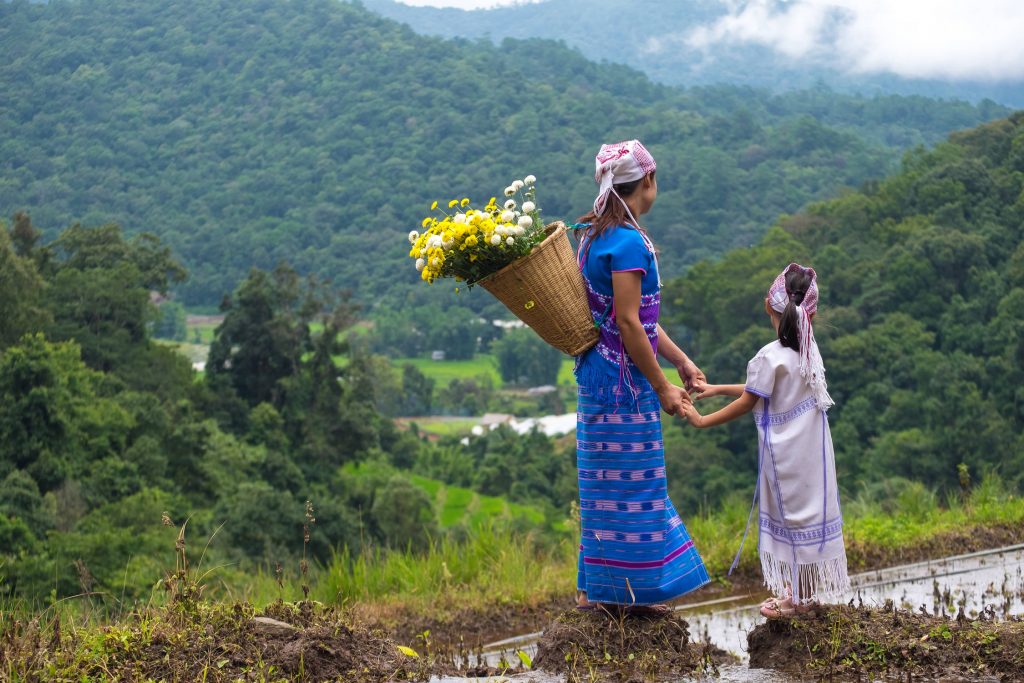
x=519 y=230
x=510 y=204
x=447 y=244
x=495 y=240
x=507 y=216
x=517 y=185
x=420 y=263
x=525 y=221
x=510 y=241
x=530 y=180
x=434 y=263
x=509 y=191
x=413 y=236
x=423 y=251
x=528 y=207
x=460 y=218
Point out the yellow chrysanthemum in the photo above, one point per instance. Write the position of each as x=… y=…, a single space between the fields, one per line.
x=433 y=206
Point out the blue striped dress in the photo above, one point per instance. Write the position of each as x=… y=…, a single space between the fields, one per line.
x=634 y=547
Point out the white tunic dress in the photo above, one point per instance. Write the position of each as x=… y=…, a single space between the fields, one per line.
x=801 y=526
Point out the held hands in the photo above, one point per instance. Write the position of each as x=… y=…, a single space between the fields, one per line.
x=693 y=377
x=692 y=416
x=674 y=399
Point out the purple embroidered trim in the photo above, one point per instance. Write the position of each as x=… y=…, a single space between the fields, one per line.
x=822 y=533
x=796 y=411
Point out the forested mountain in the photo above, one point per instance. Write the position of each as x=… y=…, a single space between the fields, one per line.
x=652 y=36
x=920 y=323
x=249 y=132
x=103 y=432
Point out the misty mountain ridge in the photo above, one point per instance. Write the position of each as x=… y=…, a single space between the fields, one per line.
x=670 y=42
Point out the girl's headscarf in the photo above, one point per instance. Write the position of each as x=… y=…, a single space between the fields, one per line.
x=621 y=162
x=812 y=369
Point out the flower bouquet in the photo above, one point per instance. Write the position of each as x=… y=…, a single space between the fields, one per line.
x=508 y=251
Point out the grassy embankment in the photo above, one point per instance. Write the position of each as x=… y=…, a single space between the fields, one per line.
x=488 y=581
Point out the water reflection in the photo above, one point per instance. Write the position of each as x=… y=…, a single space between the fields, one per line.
x=991 y=580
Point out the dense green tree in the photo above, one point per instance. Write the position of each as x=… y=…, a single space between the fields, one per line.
x=524 y=358
x=263 y=336
x=56 y=419
x=417 y=390
x=21 y=287
x=170 y=323
x=404 y=514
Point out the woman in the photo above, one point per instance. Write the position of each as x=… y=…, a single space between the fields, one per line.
x=635 y=551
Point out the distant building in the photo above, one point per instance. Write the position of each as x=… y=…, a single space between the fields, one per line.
x=437 y=355
x=541 y=390
x=492 y=420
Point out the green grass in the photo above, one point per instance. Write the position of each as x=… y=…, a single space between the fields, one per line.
x=446 y=426
x=454 y=505
x=490 y=567
x=444 y=371
x=457 y=505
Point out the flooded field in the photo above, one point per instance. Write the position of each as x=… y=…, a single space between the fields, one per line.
x=989 y=583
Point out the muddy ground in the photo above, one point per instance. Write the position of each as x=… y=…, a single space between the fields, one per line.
x=311 y=642
x=597 y=645
x=854 y=643
x=473 y=628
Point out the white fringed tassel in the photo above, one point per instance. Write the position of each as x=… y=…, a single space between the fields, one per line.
x=817 y=582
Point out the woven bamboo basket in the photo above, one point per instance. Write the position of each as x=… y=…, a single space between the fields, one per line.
x=546 y=291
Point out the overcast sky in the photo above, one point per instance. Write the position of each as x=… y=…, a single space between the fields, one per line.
x=942 y=39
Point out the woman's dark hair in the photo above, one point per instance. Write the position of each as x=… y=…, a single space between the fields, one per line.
x=797 y=283
x=614 y=211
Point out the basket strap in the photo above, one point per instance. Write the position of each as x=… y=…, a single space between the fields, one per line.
x=579 y=258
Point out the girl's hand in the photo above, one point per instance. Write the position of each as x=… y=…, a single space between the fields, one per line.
x=692 y=416
x=692 y=376
x=673 y=399
x=708 y=391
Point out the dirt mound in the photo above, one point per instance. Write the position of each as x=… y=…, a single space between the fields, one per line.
x=454 y=628
x=851 y=642
x=590 y=644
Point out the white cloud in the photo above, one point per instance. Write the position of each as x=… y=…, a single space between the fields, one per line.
x=945 y=39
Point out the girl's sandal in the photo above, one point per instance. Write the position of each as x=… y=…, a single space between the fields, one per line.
x=773 y=608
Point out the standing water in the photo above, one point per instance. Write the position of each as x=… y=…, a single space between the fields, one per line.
x=991 y=579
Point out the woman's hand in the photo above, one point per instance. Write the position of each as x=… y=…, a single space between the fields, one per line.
x=693 y=377
x=673 y=399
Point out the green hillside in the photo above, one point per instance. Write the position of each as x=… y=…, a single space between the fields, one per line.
x=920 y=322
x=249 y=132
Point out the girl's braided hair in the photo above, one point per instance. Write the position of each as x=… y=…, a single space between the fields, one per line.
x=798 y=281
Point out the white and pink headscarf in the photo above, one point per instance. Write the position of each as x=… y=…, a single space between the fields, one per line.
x=621 y=162
x=812 y=368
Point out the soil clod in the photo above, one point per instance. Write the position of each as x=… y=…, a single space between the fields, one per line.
x=851 y=642
x=597 y=644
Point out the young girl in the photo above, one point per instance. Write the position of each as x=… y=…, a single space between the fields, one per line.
x=635 y=551
x=801 y=528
